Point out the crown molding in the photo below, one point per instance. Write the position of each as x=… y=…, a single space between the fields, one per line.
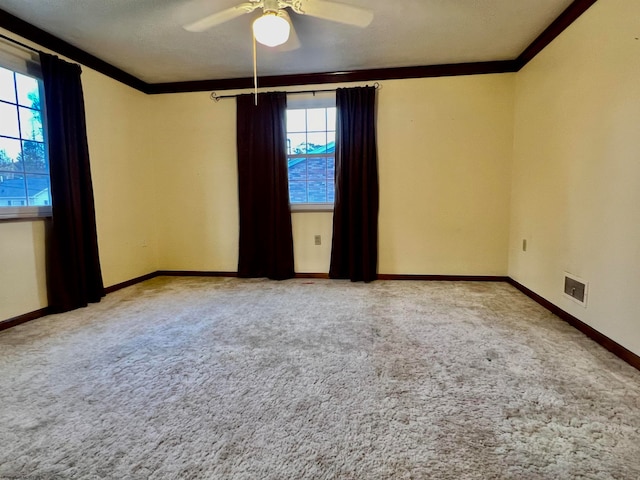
x=559 y=25
x=51 y=42
x=422 y=71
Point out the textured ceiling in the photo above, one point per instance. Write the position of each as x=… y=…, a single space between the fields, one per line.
x=145 y=37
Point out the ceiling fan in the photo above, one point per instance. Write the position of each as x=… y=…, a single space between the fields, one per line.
x=274 y=26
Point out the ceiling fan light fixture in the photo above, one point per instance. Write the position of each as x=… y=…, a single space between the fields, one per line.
x=271 y=30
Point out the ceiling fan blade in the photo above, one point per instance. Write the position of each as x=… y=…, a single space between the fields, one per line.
x=294 y=42
x=338 y=12
x=221 y=17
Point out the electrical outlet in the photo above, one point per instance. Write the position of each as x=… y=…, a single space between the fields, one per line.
x=317 y=239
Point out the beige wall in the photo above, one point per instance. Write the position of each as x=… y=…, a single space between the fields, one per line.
x=22 y=268
x=198 y=190
x=123 y=172
x=194 y=157
x=119 y=145
x=309 y=257
x=444 y=158
x=576 y=177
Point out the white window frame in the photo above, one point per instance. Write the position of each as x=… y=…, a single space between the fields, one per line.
x=18 y=60
x=310 y=100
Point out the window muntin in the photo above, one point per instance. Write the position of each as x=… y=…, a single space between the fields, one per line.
x=311 y=140
x=24 y=165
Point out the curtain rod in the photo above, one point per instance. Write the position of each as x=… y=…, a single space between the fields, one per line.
x=19 y=43
x=214 y=96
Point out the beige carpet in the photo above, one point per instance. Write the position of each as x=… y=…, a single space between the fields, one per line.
x=205 y=378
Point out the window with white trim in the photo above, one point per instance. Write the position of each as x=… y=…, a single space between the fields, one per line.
x=311 y=140
x=24 y=165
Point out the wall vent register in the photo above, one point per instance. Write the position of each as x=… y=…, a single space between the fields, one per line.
x=575 y=288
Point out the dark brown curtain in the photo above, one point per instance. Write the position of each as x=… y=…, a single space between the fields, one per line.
x=266 y=240
x=354 y=248
x=74 y=277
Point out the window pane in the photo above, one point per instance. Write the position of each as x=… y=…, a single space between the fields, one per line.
x=317 y=142
x=9 y=120
x=296 y=143
x=317 y=168
x=38 y=190
x=316 y=119
x=34 y=157
x=297 y=169
x=9 y=153
x=7 y=88
x=30 y=124
x=296 y=121
x=12 y=190
x=311 y=178
x=297 y=180
x=331 y=142
x=331 y=167
x=317 y=191
x=298 y=192
x=28 y=93
x=331 y=118
x=24 y=168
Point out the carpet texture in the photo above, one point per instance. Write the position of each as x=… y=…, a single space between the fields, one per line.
x=209 y=378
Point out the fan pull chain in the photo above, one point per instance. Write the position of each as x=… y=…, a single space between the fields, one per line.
x=255 y=70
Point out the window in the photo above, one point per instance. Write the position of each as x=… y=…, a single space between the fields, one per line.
x=311 y=141
x=24 y=166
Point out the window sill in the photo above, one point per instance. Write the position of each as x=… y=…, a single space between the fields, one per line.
x=12 y=214
x=311 y=207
